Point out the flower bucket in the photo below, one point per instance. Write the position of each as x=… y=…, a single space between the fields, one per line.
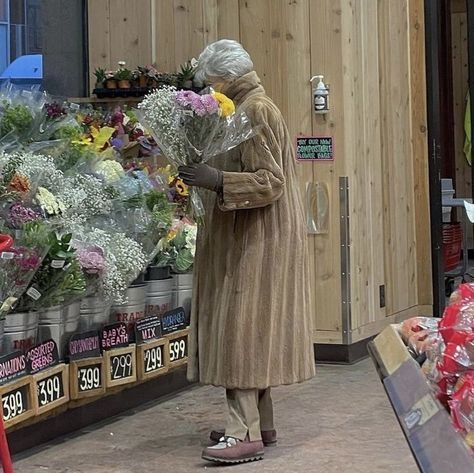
x=20 y=331
x=133 y=310
x=95 y=313
x=157 y=272
x=159 y=298
x=59 y=323
x=183 y=292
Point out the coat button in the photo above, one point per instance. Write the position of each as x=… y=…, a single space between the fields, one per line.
x=246 y=202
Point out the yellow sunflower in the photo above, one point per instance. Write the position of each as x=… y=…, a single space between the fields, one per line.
x=226 y=105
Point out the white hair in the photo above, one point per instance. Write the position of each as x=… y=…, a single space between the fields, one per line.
x=225 y=59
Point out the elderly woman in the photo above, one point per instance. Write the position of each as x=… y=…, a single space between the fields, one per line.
x=251 y=326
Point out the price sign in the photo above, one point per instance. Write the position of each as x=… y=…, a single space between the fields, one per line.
x=12 y=366
x=120 y=365
x=52 y=388
x=84 y=345
x=178 y=348
x=114 y=336
x=173 y=321
x=17 y=401
x=87 y=378
x=152 y=359
x=42 y=356
x=148 y=329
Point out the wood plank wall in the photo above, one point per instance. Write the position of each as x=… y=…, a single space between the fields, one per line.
x=371 y=54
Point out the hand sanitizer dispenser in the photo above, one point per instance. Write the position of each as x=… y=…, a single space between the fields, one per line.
x=320 y=96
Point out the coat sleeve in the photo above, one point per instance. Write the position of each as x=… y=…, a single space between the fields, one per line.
x=261 y=181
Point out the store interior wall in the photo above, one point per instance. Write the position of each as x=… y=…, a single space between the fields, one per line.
x=372 y=55
x=64 y=48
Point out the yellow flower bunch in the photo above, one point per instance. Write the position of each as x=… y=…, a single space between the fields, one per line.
x=226 y=105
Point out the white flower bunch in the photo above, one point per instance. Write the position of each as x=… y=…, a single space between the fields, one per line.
x=124 y=258
x=40 y=169
x=111 y=171
x=49 y=203
x=96 y=201
x=72 y=195
x=158 y=113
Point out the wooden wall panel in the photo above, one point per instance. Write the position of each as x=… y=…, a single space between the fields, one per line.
x=326 y=45
x=99 y=36
x=130 y=32
x=188 y=30
x=363 y=158
x=420 y=151
x=164 y=36
x=228 y=19
x=400 y=254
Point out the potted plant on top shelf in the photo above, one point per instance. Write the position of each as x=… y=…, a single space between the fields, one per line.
x=100 y=77
x=186 y=75
x=110 y=82
x=123 y=77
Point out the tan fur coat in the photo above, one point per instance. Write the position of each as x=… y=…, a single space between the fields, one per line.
x=250 y=322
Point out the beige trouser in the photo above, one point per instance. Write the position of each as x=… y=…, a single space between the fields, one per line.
x=250 y=411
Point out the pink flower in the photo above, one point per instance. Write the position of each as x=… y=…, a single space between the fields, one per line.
x=185 y=97
x=210 y=104
x=91 y=259
x=27 y=258
x=18 y=215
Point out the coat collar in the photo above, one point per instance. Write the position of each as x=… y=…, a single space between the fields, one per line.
x=242 y=88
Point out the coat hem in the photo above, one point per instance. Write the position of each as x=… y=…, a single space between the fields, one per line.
x=258 y=386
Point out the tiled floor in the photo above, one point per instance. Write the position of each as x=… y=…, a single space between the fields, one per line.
x=339 y=422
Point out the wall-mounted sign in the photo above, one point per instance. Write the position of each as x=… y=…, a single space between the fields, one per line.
x=315 y=148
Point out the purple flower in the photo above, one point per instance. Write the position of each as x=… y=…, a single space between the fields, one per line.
x=54 y=110
x=185 y=97
x=18 y=215
x=91 y=259
x=117 y=143
x=210 y=104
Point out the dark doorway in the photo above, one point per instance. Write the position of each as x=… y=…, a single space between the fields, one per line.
x=450 y=76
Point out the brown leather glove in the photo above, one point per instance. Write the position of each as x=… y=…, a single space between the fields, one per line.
x=202 y=175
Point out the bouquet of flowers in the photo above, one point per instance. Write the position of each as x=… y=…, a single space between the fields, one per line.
x=20 y=259
x=59 y=279
x=192 y=128
x=20 y=113
x=179 y=248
